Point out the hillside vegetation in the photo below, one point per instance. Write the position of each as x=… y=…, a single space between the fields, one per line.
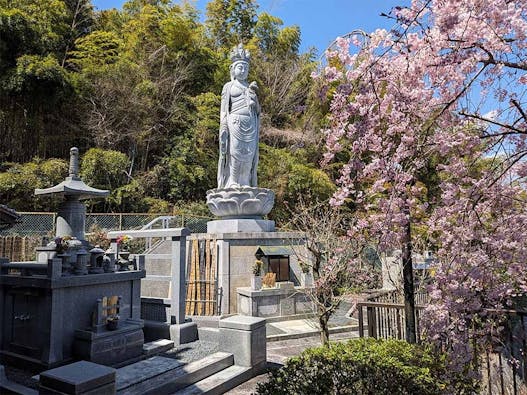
x=137 y=90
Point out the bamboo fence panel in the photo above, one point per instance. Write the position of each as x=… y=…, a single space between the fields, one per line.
x=201 y=297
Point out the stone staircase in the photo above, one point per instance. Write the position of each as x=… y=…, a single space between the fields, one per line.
x=158 y=271
x=214 y=374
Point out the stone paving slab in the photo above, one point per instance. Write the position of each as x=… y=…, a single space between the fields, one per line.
x=143 y=370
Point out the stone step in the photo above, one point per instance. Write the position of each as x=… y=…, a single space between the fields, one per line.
x=164 y=247
x=220 y=382
x=161 y=375
x=157 y=346
x=158 y=266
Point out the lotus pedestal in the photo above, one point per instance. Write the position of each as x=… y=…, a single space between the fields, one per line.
x=240 y=210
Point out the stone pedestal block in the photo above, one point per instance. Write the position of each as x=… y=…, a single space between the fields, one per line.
x=78 y=378
x=184 y=333
x=240 y=226
x=245 y=338
x=110 y=347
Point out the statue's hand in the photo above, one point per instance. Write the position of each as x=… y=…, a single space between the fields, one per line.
x=253 y=86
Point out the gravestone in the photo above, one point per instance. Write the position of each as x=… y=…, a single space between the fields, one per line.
x=43 y=304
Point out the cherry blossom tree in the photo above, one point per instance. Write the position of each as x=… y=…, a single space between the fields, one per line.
x=326 y=253
x=442 y=92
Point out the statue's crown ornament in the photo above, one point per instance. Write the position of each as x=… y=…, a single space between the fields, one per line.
x=238 y=54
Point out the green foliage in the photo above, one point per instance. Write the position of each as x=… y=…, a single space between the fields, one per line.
x=19 y=181
x=128 y=198
x=189 y=176
x=17 y=36
x=231 y=21
x=291 y=178
x=283 y=74
x=364 y=366
x=104 y=169
x=38 y=75
x=48 y=19
x=196 y=208
x=95 y=50
x=272 y=39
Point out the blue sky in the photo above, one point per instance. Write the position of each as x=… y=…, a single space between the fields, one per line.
x=320 y=21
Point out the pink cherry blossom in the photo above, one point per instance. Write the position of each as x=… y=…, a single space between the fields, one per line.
x=442 y=93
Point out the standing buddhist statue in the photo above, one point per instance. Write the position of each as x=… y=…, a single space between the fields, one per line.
x=239 y=126
x=238 y=195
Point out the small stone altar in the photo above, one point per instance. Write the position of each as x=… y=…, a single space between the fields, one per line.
x=110 y=339
x=45 y=306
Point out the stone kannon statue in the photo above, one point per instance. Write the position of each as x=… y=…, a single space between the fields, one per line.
x=239 y=126
x=238 y=195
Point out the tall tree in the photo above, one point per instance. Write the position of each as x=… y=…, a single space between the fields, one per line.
x=283 y=73
x=34 y=88
x=426 y=88
x=231 y=21
x=80 y=20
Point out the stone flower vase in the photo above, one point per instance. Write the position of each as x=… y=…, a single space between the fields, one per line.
x=80 y=266
x=112 y=324
x=124 y=261
x=66 y=266
x=256 y=283
x=109 y=261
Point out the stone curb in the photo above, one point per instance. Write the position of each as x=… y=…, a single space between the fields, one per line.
x=299 y=335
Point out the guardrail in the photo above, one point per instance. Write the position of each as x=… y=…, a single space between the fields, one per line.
x=503 y=367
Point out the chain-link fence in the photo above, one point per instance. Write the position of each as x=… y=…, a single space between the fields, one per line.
x=43 y=224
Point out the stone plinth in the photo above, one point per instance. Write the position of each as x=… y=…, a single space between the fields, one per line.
x=110 y=347
x=242 y=202
x=78 y=378
x=239 y=226
x=245 y=338
x=274 y=302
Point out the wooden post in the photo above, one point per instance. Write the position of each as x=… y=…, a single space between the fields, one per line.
x=189 y=285
x=408 y=283
x=207 y=277
x=361 y=322
x=213 y=292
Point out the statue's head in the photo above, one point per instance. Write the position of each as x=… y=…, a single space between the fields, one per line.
x=240 y=63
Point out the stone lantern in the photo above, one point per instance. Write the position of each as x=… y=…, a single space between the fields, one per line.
x=71 y=216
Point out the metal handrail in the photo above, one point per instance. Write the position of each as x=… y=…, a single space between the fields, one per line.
x=165 y=224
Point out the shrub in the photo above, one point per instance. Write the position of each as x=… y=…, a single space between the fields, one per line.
x=363 y=366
